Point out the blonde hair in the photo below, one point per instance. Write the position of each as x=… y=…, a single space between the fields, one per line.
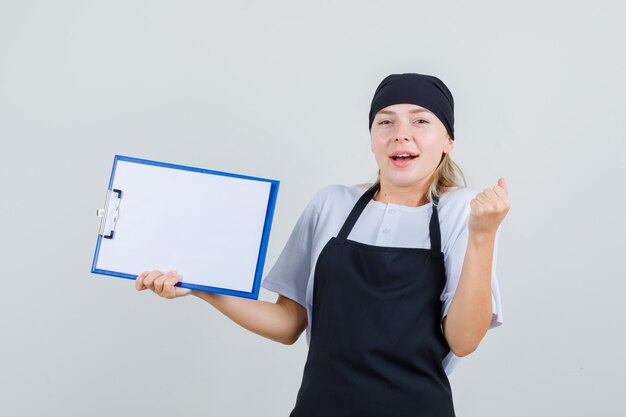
x=446 y=177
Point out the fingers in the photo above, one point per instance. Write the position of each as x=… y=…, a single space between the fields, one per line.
x=501 y=189
x=139 y=281
x=148 y=281
x=489 y=207
x=496 y=197
x=170 y=290
x=164 y=285
x=158 y=282
x=492 y=200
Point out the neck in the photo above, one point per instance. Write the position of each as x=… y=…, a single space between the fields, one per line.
x=412 y=196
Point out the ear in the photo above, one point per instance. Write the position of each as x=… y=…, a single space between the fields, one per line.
x=449 y=145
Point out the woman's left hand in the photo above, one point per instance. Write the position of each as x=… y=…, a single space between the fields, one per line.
x=488 y=209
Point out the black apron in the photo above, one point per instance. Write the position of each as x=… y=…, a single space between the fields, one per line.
x=376 y=346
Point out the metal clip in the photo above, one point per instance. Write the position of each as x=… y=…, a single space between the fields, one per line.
x=108 y=222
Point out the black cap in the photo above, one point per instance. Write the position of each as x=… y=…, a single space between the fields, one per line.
x=423 y=90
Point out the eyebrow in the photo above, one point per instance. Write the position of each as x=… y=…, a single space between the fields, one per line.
x=411 y=112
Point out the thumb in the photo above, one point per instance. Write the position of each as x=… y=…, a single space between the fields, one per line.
x=502 y=183
x=181 y=292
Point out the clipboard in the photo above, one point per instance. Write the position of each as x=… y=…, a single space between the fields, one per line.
x=212 y=227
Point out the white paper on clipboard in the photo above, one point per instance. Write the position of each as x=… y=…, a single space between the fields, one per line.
x=211 y=227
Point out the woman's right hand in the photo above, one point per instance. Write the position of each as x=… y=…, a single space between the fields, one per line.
x=161 y=284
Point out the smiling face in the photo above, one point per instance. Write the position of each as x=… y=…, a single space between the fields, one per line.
x=408 y=142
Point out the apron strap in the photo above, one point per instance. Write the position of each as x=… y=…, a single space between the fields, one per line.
x=356 y=212
x=435 y=232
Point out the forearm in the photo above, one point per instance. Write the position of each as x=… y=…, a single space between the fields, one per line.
x=469 y=314
x=267 y=319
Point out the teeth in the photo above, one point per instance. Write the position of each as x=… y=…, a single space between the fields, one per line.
x=402 y=155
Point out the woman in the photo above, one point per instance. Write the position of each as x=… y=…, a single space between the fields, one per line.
x=392 y=281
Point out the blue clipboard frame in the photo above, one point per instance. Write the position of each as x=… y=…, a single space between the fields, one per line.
x=271 y=204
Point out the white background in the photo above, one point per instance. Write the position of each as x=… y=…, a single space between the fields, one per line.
x=282 y=90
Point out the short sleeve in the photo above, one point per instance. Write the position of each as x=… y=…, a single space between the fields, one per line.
x=290 y=274
x=454 y=263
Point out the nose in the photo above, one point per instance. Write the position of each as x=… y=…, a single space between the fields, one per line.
x=402 y=133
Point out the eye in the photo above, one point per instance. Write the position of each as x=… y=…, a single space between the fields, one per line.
x=382 y=122
x=423 y=120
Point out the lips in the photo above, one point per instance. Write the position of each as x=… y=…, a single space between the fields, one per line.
x=402 y=159
x=403 y=155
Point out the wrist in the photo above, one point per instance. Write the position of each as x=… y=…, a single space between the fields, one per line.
x=482 y=238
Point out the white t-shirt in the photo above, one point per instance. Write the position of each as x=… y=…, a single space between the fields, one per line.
x=379 y=224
